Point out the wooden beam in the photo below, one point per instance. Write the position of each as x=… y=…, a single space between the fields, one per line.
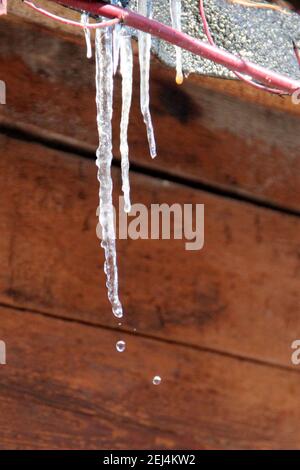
x=66 y=387
x=240 y=294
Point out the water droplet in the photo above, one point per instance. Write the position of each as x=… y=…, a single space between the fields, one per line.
x=121 y=346
x=156 y=380
x=120 y=324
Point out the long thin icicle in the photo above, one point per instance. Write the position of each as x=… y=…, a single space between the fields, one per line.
x=116 y=41
x=104 y=101
x=145 y=8
x=175 y=9
x=126 y=72
x=87 y=34
x=116 y=46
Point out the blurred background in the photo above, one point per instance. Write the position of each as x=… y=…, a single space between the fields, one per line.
x=217 y=325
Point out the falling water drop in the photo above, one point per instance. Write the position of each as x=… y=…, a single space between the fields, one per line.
x=120 y=346
x=156 y=380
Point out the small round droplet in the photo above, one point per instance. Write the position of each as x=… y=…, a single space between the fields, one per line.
x=179 y=79
x=156 y=380
x=120 y=324
x=121 y=346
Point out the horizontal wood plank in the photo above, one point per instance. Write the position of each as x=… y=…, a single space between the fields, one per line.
x=239 y=294
x=209 y=131
x=66 y=387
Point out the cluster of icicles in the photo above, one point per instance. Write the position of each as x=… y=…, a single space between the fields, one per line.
x=113 y=48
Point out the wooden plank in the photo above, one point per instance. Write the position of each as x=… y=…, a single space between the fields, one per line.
x=65 y=387
x=240 y=294
x=221 y=135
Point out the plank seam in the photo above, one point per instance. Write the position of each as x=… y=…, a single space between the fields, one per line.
x=251 y=360
x=21 y=134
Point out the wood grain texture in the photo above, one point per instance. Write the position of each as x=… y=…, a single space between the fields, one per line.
x=216 y=324
x=239 y=295
x=208 y=131
x=65 y=387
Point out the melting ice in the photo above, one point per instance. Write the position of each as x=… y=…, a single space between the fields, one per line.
x=113 y=45
x=87 y=34
x=126 y=72
x=104 y=101
x=116 y=40
x=145 y=8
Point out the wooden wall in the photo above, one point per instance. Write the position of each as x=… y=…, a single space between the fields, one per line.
x=217 y=325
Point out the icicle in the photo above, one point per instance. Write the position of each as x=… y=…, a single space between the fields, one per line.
x=116 y=46
x=104 y=101
x=116 y=41
x=126 y=72
x=87 y=34
x=175 y=8
x=145 y=8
